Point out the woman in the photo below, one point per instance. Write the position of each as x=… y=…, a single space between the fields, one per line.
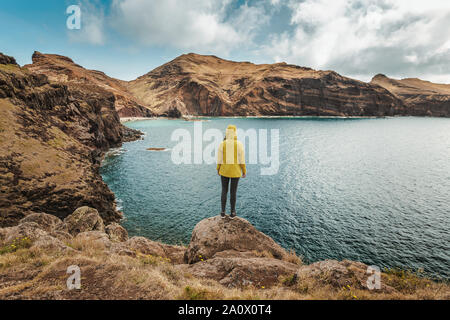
x=230 y=166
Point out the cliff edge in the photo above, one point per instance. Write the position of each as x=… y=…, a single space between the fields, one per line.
x=194 y=84
x=52 y=138
x=421 y=98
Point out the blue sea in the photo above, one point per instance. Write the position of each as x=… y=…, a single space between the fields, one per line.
x=371 y=190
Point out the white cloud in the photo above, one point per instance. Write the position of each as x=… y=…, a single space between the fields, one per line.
x=188 y=24
x=92 y=25
x=357 y=38
x=364 y=37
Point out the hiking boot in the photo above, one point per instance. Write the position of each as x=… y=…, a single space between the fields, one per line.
x=222 y=214
x=232 y=215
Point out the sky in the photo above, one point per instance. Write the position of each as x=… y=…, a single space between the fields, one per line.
x=128 y=38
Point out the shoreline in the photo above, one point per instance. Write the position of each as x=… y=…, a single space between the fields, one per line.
x=193 y=118
x=196 y=118
x=131 y=119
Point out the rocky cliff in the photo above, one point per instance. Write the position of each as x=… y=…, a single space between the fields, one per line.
x=226 y=259
x=421 y=98
x=52 y=137
x=194 y=84
x=63 y=70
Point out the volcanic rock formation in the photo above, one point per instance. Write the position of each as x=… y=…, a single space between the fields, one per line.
x=52 y=138
x=422 y=98
x=194 y=84
x=239 y=257
x=62 y=69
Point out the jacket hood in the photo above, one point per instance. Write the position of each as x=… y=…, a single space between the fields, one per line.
x=230 y=133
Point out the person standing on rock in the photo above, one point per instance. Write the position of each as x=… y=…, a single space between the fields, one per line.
x=230 y=166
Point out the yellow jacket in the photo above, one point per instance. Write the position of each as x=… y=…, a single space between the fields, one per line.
x=231 y=156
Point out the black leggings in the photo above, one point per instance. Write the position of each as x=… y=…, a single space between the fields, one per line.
x=233 y=190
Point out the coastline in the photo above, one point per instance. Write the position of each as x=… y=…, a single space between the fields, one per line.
x=131 y=119
x=193 y=118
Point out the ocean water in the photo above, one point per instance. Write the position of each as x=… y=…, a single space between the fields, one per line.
x=371 y=190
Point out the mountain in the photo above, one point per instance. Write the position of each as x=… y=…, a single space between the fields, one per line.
x=63 y=70
x=422 y=98
x=52 y=137
x=195 y=84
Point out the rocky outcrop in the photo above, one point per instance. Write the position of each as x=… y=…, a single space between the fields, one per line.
x=236 y=269
x=4 y=59
x=138 y=267
x=63 y=70
x=46 y=222
x=116 y=232
x=45 y=230
x=194 y=84
x=129 y=134
x=234 y=253
x=140 y=246
x=339 y=274
x=84 y=219
x=53 y=137
x=215 y=234
x=421 y=98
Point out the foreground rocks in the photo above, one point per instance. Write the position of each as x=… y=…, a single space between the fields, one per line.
x=241 y=260
x=213 y=235
x=237 y=269
x=116 y=232
x=84 y=219
x=229 y=251
x=234 y=253
x=339 y=274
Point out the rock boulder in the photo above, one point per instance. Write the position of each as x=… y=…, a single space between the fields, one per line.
x=215 y=234
x=339 y=274
x=47 y=222
x=84 y=219
x=116 y=232
x=4 y=59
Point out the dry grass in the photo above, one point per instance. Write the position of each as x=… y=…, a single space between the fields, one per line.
x=16 y=244
x=41 y=274
x=293 y=258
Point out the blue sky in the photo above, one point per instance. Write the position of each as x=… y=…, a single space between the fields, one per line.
x=128 y=38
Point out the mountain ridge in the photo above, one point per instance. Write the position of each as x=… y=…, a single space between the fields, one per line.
x=421 y=97
x=64 y=70
x=53 y=136
x=196 y=84
x=206 y=85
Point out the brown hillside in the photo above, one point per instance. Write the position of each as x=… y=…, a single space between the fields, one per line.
x=422 y=98
x=52 y=137
x=64 y=70
x=206 y=85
